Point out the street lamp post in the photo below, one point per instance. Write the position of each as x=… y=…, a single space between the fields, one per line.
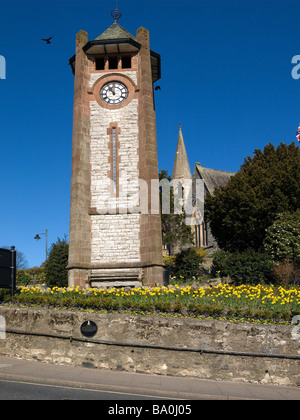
x=37 y=237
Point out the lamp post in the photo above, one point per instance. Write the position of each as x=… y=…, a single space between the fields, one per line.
x=37 y=237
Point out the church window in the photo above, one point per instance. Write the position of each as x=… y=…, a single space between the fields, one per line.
x=197 y=241
x=204 y=234
x=201 y=235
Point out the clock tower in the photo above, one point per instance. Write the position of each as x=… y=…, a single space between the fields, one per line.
x=115 y=227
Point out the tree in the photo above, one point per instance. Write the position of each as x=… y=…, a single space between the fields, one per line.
x=175 y=232
x=21 y=261
x=282 y=240
x=267 y=184
x=56 y=265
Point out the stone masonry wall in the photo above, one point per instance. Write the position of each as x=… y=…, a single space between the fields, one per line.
x=114 y=238
x=127 y=153
x=148 y=344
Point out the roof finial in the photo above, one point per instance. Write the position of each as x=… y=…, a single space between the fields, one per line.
x=116 y=14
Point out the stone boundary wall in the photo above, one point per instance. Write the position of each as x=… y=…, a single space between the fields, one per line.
x=207 y=349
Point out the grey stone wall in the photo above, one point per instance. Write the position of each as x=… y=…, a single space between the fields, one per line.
x=157 y=345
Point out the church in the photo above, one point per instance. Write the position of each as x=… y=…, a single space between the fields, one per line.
x=211 y=178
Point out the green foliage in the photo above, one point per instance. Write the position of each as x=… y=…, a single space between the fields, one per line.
x=163 y=306
x=219 y=262
x=5 y=295
x=201 y=252
x=175 y=232
x=205 y=309
x=266 y=185
x=249 y=267
x=282 y=240
x=187 y=263
x=236 y=302
x=35 y=275
x=169 y=263
x=56 y=265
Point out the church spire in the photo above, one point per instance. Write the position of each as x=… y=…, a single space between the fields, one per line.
x=181 y=169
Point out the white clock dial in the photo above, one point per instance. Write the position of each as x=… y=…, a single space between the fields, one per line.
x=113 y=93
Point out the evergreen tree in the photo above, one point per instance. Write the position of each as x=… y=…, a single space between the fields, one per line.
x=266 y=185
x=56 y=272
x=175 y=232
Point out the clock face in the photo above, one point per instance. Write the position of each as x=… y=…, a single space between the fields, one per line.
x=113 y=93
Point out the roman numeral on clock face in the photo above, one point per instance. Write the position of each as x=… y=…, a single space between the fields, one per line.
x=114 y=93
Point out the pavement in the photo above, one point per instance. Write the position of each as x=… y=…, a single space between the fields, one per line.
x=156 y=386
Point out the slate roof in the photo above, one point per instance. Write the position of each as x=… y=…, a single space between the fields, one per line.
x=115 y=31
x=213 y=177
x=181 y=169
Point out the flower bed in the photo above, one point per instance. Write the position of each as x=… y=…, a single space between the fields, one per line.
x=247 y=303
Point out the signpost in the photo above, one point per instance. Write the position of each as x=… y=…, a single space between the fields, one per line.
x=8 y=269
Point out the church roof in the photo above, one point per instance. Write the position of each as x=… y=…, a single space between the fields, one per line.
x=115 y=31
x=181 y=169
x=213 y=177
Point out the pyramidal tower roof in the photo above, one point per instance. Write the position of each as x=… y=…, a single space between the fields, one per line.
x=115 y=31
x=181 y=169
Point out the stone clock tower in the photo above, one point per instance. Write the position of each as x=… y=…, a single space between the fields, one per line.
x=115 y=227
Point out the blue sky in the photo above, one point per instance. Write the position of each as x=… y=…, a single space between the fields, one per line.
x=226 y=76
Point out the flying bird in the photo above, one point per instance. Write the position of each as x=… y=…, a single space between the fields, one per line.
x=47 y=39
x=157 y=88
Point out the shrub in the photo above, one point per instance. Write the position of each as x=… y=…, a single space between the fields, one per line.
x=4 y=295
x=111 y=304
x=178 y=307
x=202 y=253
x=249 y=267
x=169 y=263
x=187 y=263
x=284 y=272
x=33 y=275
x=163 y=306
x=56 y=266
x=195 y=308
x=219 y=262
x=282 y=240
